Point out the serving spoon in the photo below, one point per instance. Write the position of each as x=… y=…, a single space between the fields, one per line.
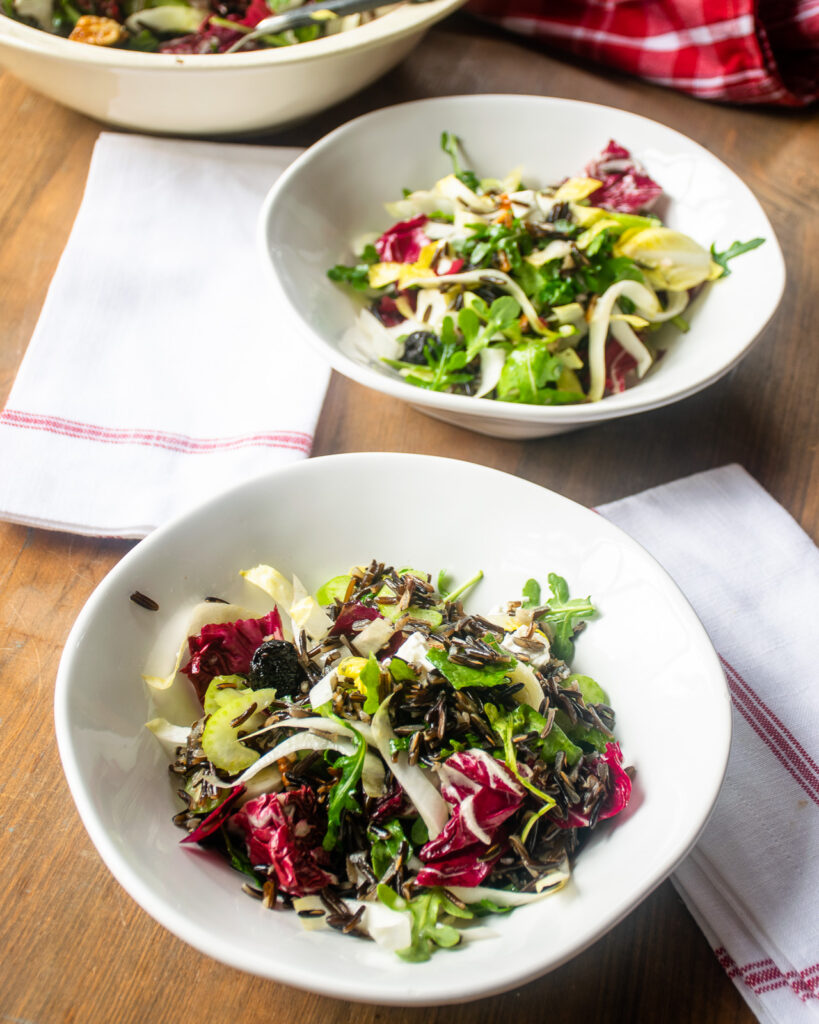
x=308 y=14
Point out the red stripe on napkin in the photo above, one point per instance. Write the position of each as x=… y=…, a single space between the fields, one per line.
x=764 y=976
x=765 y=723
x=295 y=440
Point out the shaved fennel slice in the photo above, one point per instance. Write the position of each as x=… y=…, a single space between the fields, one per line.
x=555 y=250
x=453 y=188
x=431 y=307
x=550 y=883
x=204 y=614
x=172 y=693
x=492 y=359
x=429 y=803
x=496 y=277
x=269 y=780
x=369 y=339
x=323 y=690
x=307 y=614
x=175 y=19
x=532 y=692
x=372 y=776
x=321 y=725
x=646 y=304
x=435 y=230
x=390 y=929
x=169 y=736
x=272 y=582
x=628 y=340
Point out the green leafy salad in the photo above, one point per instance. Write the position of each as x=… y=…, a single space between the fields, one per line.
x=493 y=289
x=383 y=762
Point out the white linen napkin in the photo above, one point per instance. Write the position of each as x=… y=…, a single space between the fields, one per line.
x=752 y=576
x=159 y=372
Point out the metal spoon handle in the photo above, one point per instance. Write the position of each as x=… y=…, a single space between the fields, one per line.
x=308 y=14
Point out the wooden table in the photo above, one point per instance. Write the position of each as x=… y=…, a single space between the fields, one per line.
x=73 y=946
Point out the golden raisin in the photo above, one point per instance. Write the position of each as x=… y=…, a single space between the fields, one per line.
x=97 y=31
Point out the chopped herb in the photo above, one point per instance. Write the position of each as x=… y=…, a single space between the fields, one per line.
x=737 y=249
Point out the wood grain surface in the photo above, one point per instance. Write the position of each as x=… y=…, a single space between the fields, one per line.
x=73 y=946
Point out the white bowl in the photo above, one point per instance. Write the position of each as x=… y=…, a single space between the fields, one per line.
x=217 y=94
x=337 y=189
x=647 y=648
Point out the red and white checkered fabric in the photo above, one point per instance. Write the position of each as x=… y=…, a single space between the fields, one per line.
x=740 y=51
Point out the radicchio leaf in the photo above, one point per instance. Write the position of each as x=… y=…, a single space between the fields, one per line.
x=349 y=615
x=483 y=794
x=403 y=242
x=214 y=821
x=626 y=187
x=284 y=831
x=619 y=791
x=225 y=648
x=390 y=806
x=619 y=363
x=388 y=312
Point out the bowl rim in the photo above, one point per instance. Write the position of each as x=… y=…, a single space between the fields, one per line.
x=173 y=919
x=402 y=20
x=627 y=403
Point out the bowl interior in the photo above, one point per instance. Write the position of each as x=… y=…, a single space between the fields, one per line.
x=336 y=192
x=647 y=648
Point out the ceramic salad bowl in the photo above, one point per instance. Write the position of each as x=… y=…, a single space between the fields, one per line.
x=335 y=194
x=646 y=647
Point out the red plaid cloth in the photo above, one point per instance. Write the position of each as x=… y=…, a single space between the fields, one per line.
x=742 y=51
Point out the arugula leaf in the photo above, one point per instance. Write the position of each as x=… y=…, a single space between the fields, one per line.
x=606 y=271
x=370 y=676
x=384 y=851
x=501 y=316
x=528 y=369
x=453 y=595
x=239 y=860
x=463 y=675
x=307 y=33
x=445 y=360
x=506 y=724
x=450 y=144
x=341 y=796
x=485 y=241
x=401 y=671
x=357 y=276
x=399 y=743
x=591 y=690
x=579 y=732
x=428 y=930
x=737 y=249
x=531 y=594
x=485 y=907
x=419 y=833
x=561 y=615
x=144 y=41
x=69 y=11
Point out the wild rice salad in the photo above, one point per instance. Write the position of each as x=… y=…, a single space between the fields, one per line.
x=546 y=296
x=400 y=768
x=171 y=26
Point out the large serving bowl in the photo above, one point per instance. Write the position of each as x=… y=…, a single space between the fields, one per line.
x=335 y=192
x=647 y=648
x=217 y=94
